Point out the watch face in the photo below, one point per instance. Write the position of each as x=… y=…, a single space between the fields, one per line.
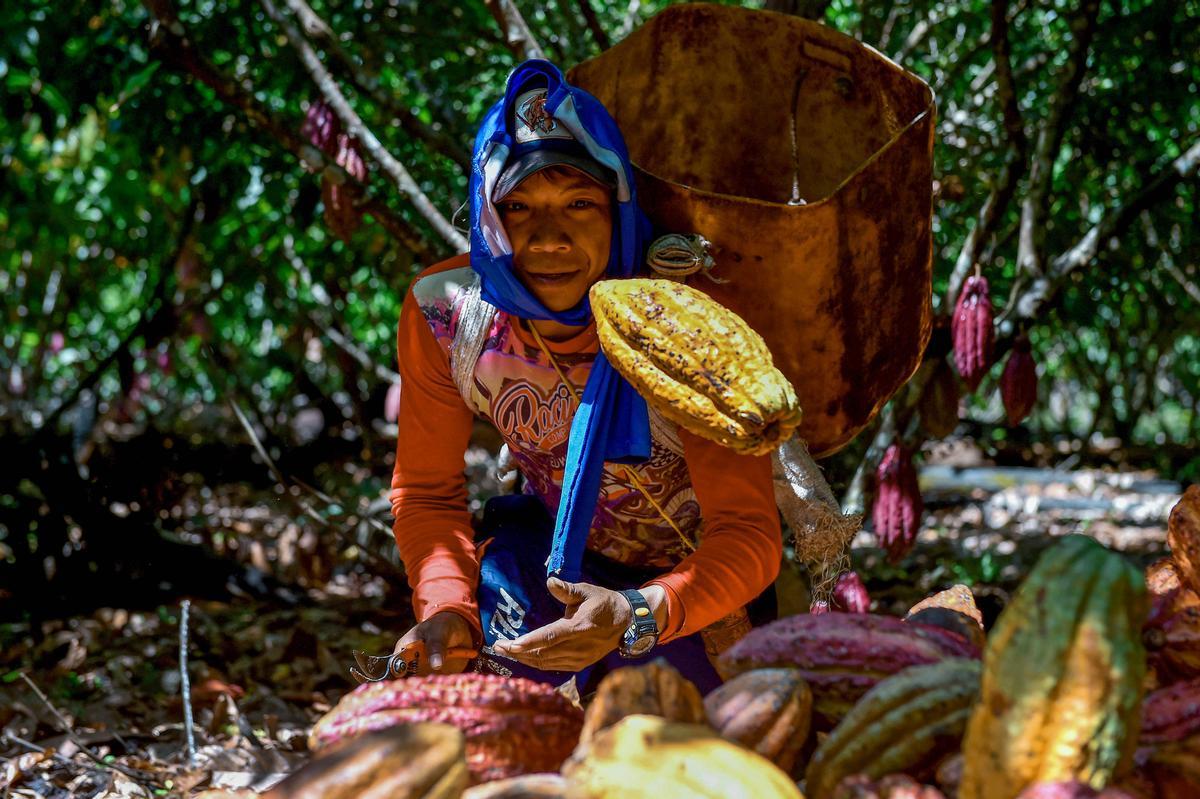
x=642 y=645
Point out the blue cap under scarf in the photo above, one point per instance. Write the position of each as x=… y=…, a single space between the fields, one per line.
x=612 y=421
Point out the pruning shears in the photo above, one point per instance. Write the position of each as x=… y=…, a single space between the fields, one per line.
x=408 y=661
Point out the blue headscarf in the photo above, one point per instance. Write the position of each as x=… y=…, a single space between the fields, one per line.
x=612 y=422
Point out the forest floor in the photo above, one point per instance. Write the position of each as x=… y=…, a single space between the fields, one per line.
x=91 y=706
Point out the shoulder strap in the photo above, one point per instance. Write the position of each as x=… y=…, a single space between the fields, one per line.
x=475 y=317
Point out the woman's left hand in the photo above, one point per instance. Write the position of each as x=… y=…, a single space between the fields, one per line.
x=591 y=627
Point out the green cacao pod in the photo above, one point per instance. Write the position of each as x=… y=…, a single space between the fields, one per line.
x=905 y=724
x=1062 y=677
x=696 y=362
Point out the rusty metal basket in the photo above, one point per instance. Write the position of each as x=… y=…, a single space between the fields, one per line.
x=806 y=158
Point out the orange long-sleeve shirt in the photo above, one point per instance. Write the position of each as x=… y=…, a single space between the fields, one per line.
x=724 y=499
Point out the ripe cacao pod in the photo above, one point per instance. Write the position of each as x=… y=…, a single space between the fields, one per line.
x=842 y=655
x=1171 y=635
x=321 y=127
x=1171 y=713
x=1018 y=382
x=527 y=786
x=1162 y=577
x=766 y=710
x=655 y=689
x=849 y=596
x=513 y=726
x=408 y=761
x=893 y=786
x=907 y=723
x=896 y=514
x=1183 y=537
x=341 y=213
x=1167 y=771
x=1070 y=790
x=646 y=757
x=952 y=621
x=696 y=362
x=938 y=405
x=958 y=598
x=1063 y=676
x=971 y=331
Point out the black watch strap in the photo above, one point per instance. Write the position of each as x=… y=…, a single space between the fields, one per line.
x=643 y=617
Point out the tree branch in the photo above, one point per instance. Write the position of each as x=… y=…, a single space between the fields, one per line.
x=170 y=42
x=1049 y=141
x=1033 y=301
x=319 y=31
x=593 y=23
x=358 y=130
x=515 y=30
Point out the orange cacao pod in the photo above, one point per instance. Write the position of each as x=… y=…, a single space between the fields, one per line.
x=409 y=761
x=842 y=655
x=1183 y=537
x=957 y=598
x=893 y=786
x=655 y=689
x=971 y=331
x=766 y=710
x=896 y=513
x=513 y=726
x=1018 y=382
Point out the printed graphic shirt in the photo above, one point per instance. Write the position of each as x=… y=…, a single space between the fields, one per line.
x=721 y=499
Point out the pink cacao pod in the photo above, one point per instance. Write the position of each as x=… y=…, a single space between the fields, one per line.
x=896 y=513
x=1018 y=383
x=321 y=127
x=341 y=214
x=893 y=786
x=1171 y=713
x=971 y=331
x=850 y=595
x=391 y=403
x=57 y=342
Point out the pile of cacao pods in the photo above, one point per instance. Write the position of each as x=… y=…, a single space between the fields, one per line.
x=1087 y=687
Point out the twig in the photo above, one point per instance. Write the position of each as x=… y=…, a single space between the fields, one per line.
x=516 y=31
x=593 y=23
x=319 y=31
x=65 y=727
x=170 y=42
x=185 y=685
x=357 y=129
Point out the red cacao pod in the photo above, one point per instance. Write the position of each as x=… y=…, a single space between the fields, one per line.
x=767 y=710
x=971 y=331
x=896 y=513
x=841 y=655
x=893 y=786
x=1070 y=790
x=1183 y=537
x=1018 y=382
x=341 y=213
x=321 y=127
x=850 y=594
x=513 y=726
x=1171 y=713
x=1171 y=635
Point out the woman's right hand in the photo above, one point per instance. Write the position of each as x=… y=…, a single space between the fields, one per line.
x=442 y=632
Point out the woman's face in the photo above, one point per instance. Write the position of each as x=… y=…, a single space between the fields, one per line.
x=559 y=222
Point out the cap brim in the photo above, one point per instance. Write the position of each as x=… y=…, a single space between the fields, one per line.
x=538 y=160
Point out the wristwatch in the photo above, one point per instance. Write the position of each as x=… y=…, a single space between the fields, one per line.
x=642 y=634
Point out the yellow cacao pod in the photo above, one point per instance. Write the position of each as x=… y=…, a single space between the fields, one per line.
x=646 y=757
x=696 y=362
